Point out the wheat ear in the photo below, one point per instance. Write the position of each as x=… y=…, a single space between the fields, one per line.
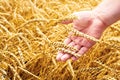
x=69 y=52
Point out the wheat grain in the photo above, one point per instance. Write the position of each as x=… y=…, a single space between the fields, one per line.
x=62 y=45
x=89 y=69
x=69 y=52
x=21 y=55
x=116 y=28
x=78 y=33
x=115 y=39
x=109 y=78
x=3 y=71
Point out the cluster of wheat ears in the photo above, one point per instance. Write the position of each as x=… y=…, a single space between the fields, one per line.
x=31 y=35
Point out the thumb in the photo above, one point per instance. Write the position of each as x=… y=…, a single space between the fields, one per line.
x=83 y=20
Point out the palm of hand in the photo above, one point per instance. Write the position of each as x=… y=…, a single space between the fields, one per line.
x=88 y=24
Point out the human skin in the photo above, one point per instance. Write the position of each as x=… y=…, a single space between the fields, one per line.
x=92 y=23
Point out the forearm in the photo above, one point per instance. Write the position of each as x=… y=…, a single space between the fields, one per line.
x=108 y=11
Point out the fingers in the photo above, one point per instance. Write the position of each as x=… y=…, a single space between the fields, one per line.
x=81 y=52
x=66 y=55
x=60 y=53
x=67 y=41
x=78 y=40
x=87 y=43
x=77 y=47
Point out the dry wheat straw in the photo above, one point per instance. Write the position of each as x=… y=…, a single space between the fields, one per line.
x=30 y=73
x=4 y=14
x=30 y=33
x=2 y=77
x=14 y=35
x=2 y=8
x=90 y=69
x=71 y=68
x=7 y=22
x=116 y=28
x=3 y=27
x=8 y=58
x=3 y=71
x=8 y=4
x=37 y=56
x=108 y=78
x=41 y=33
x=54 y=61
x=26 y=41
x=107 y=67
x=115 y=39
x=14 y=56
x=32 y=21
x=15 y=71
x=21 y=55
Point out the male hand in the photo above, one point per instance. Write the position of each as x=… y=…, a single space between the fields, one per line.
x=88 y=23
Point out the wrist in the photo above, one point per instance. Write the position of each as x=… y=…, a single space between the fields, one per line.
x=108 y=13
x=102 y=17
x=102 y=20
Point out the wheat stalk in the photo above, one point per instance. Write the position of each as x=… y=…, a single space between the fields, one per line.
x=105 y=66
x=14 y=56
x=116 y=28
x=30 y=73
x=32 y=21
x=21 y=55
x=3 y=71
x=71 y=68
x=41 y=33
x=109 y=78
x=12 y=68
x=3 y=27
x=26 y=41
x=115 y=39
x=89 y=69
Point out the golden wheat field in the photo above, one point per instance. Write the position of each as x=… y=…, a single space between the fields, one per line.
x=30 y=36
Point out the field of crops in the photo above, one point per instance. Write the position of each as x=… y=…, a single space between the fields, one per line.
x=30 y=36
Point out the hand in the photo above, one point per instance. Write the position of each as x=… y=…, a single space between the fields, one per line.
x=88 y=23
